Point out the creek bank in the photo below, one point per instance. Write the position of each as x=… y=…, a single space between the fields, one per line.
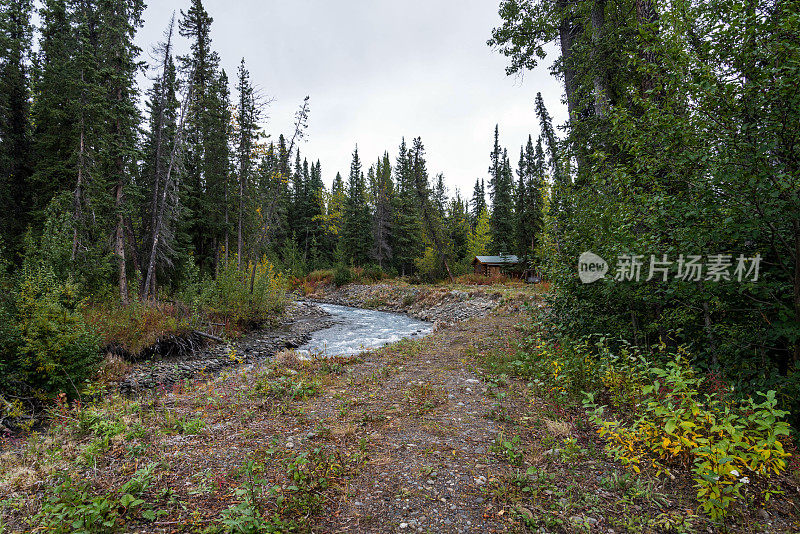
x=439 y=305
x=299 y=321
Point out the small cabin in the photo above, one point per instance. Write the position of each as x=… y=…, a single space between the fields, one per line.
x=493 y=265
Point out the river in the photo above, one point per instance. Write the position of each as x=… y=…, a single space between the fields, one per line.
x=357 y=329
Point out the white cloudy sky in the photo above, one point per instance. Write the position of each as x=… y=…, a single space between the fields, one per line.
x=376 y=71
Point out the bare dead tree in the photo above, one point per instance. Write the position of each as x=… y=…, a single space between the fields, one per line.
x=162 y=202
x=270 y=214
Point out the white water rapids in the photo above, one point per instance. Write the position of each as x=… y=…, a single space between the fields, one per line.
x=358 y=329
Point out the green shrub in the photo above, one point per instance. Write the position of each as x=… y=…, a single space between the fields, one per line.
x=372 y=273
x=733 y=448
x=342 y=275
x=250 y=295
x=56 y=350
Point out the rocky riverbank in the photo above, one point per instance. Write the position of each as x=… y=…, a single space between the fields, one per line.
x=439 y=305
x=300 y=320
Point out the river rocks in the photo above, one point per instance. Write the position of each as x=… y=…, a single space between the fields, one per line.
x=437 y=305
x=300 y=320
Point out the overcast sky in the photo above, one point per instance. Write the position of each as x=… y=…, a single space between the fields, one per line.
x=376 y=71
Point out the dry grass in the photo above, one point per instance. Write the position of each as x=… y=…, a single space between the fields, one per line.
x=560 y=429
x=138 y=325
x=112 y=370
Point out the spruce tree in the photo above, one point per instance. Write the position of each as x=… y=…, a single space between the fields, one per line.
x=357 y=231
x=458 y=229
x=162 y=106
x=248 y=115
x=500 y=186
x=407 y=239
x=478 y=203
x=118 y=52
x=202 y=63
x=431 y=214
x=15 y=127
x=382 y=189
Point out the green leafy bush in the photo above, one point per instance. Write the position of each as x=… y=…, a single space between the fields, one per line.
x=249 y=295
x=342 y=275
x=70 y=506
x=55 y=350
x=732 y=447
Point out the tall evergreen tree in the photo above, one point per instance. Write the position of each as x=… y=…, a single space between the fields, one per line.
x=407 y=238
x=15 y=128
x=202 y=63
x=431 y=214
x=54 y=111
x=162 y=106
x=383 y=195
x=458 y=229
x=120 y=21
x=500 y=186
x=357 y=230
x=528 y=211
x=478 y=204
x=248 y=115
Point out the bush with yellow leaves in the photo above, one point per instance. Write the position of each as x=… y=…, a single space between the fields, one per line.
x=732 y=447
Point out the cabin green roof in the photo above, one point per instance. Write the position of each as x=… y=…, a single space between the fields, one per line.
x=497 y=260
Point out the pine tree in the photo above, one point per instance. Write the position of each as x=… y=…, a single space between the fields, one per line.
x=248 y=115
x=162 y=105
x=15 y=127
x=120 y=20
x=458 y=229
x=478 y=204
x=334 y=217
x=431 y=218
x=383 y=195
x=407 y=239
x=357 y=231
x=500 y=185
x=314 y=193
x=220 y=184
x=203 y=64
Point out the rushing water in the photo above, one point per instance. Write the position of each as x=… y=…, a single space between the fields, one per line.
x=357 y=329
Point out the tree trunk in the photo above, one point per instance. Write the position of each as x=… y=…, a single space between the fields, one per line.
x=646 y=15
x=119 y=249
x=239 y=233
x=601 y=88
x=149 y=285
x=78 y=194
x=568 y=30
x=796 y=225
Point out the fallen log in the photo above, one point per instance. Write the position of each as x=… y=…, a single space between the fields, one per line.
x=209 y=336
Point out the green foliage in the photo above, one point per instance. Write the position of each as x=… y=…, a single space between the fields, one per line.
x=55 y=350
x=509 y=449
x=267 y=507
x=677 y=144
x=71 y=507
x=342 y=275
x=733 y=448
x=250 y=296
x=282 y=383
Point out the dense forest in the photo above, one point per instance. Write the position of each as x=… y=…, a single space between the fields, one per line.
x=678 y=143
x=683 y=139
x=115 y=203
